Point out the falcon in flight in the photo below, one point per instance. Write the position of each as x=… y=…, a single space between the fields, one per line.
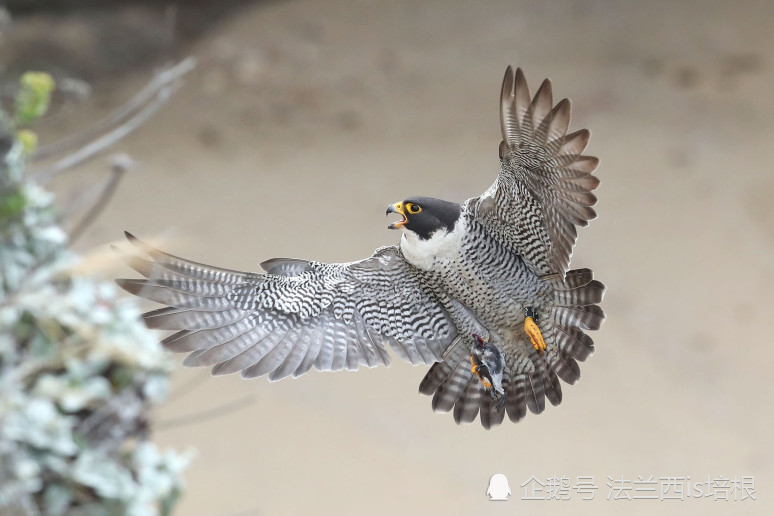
x=479 y=290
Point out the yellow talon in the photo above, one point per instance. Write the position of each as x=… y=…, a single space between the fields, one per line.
x=535 y=336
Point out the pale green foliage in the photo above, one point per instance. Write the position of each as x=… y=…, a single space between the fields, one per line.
x=34 y=96
x=29 y=141
x=79 y=372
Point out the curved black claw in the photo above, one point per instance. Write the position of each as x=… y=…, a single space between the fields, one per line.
x=500 y=399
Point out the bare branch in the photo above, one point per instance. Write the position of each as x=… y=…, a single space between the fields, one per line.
x=206 y=415
x=159 y=81
x=188 y=386
x=90 y=150
x=121 y=163
x=131 y=115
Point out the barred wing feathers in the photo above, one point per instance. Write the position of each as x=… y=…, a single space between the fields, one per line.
x=300 y=314
x=544 y=188
x=529 y=378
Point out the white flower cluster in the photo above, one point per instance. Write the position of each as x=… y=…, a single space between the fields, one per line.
x=79 y=373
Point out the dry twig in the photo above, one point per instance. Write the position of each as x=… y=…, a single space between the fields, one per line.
x=130 y=116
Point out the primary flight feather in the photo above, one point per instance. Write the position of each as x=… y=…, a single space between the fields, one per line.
x=481 y=290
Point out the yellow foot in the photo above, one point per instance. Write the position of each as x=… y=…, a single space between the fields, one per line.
x=533 y=331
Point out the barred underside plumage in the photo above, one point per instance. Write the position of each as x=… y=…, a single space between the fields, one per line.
x=470 y=271
x=543 y=192
x=529 y=378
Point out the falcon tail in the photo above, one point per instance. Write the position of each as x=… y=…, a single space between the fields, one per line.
x=455 y=388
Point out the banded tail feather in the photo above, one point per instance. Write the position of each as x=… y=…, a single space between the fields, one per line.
x=300 y=314
x=530 y=378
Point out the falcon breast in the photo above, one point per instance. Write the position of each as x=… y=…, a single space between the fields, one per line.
x=480 y=291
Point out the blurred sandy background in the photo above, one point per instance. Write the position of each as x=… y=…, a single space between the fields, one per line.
x=305 y=119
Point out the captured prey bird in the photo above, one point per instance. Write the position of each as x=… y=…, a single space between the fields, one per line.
x=481 y=290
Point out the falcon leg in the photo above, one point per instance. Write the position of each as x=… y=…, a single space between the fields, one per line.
x=500 y=398
x=533 y=331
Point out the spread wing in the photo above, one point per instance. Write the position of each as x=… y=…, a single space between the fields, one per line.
x=543 y=190
x=299 y=315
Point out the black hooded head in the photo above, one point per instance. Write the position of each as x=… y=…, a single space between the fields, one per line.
x=425 y=215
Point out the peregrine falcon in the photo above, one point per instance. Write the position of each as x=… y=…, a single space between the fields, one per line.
x=479 y=290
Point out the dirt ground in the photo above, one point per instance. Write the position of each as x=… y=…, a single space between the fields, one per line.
x=305 y=119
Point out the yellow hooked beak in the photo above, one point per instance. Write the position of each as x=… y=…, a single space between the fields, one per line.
x=397 y=208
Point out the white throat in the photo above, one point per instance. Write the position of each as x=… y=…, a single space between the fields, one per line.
x=442 y=246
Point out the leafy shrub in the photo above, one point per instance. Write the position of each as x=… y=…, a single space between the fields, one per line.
x=79 y=371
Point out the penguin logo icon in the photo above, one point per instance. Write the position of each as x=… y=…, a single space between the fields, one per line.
x=498 y=489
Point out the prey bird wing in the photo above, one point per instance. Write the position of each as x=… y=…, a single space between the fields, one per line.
x=298 y=315
x=544 y=188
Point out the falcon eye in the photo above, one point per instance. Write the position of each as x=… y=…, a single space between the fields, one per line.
x=414 y=208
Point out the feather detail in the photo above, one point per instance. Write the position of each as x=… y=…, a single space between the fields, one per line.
x=467 y=406
x=286 y=266
x=516 y=401
x=447 y=394
x=298 y=315
x=538 y=157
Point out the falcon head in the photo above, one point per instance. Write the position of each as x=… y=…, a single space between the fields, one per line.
x=424 y=216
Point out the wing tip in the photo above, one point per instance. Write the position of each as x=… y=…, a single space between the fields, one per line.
x=122 y=283
x=544 y=91
x=563 y=105
x=508 y=77
x=133 y=286
x=519 y=76
x=139 y=244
